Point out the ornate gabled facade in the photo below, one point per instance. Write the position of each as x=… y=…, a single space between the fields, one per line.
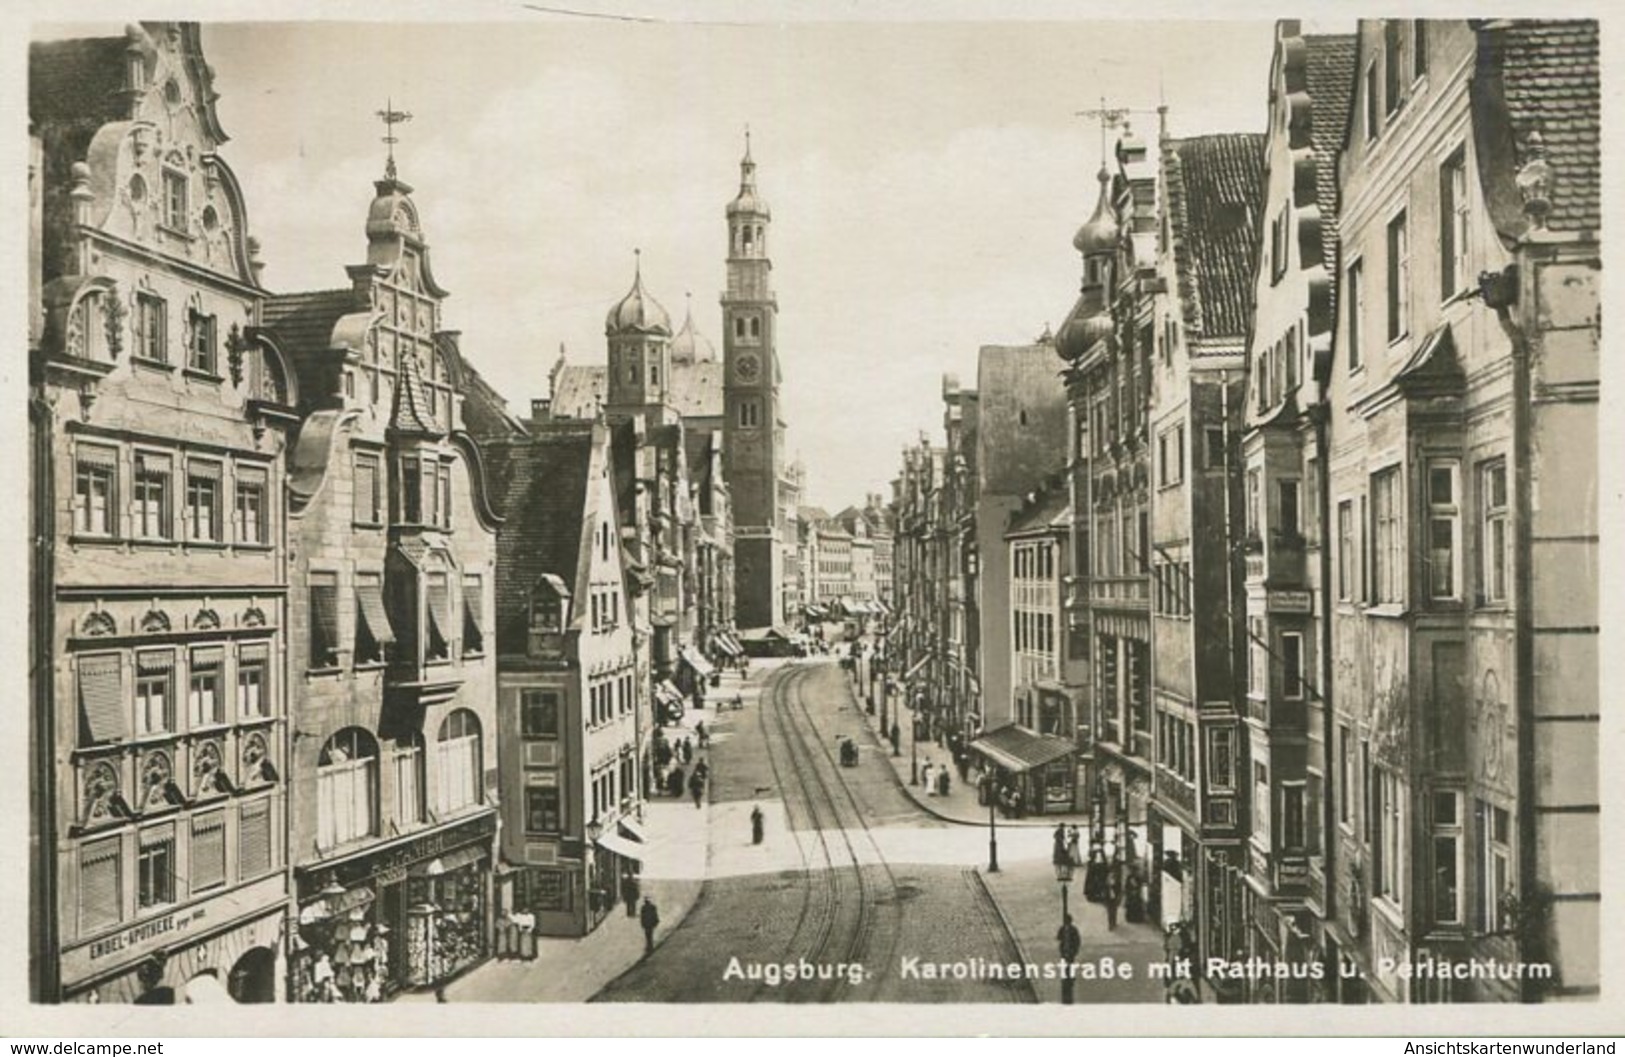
x=159 y=415
x=1281 y=513
x=393 y=767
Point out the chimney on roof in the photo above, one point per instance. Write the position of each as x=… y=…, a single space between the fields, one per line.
x=541 y=409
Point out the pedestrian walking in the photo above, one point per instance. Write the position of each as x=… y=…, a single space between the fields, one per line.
x=696 y=787
x=896 y=738
x=943 y=780
x=674 y=782
x=1058 y=854
x=688 y=751
x=629 y=894
x=703 y=734
x=1070 y=942
x=1114 y=895
x=925 y=776
x=649 y=917
x=1072 y=853
x=757 y=824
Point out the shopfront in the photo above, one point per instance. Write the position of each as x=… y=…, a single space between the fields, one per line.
x=570 y=896
x=223 y=949
x=1039 y=767
x=409 y=915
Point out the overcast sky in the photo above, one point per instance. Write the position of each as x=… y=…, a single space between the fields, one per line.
x=925 y=181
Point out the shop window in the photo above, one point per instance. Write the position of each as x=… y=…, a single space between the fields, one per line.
x=458 y=762
x=155 y=868
x=95 y=481
x=208 y=851
x=346 y=788
x=205 y=699
x=101 y=885
x=151 y=508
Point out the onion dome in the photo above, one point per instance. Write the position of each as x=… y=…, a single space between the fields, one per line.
x=1099 y=232
x=1086 y=324
x=638 y=312
x=689 y=345
x=748 y=201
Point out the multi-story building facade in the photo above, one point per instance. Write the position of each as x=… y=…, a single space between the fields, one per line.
x=569 y=694
x=1463 y=609
x=1207 y=198
x=1281 y=516
x=159 y=414
x=393 y=769
x=1106 y=342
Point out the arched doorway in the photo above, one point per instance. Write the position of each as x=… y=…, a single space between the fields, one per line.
x=253 y=978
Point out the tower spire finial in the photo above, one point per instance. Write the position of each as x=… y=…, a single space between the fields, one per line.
x=637 y=263
x=391 y=117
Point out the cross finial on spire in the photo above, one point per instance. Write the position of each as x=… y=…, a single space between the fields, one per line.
x=637 y=263
x=391 y=117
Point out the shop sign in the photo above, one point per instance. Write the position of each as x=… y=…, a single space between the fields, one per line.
x=173 y=929
x=388 y=865
x=1291 y=602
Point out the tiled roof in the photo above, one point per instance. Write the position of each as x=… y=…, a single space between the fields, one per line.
x=302 y=324
x=1214 y=185
x=696 y=389
x=1551 y=80
x=1329 y=77
x=579 y=389
x=72 y=80
x=539 y=484
x=1041 y=515
x=412 y=414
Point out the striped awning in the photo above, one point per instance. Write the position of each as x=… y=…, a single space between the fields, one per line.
x=440 y=606
x=693 y=658
x=369 y=596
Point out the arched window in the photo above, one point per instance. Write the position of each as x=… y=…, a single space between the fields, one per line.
x=346 y=788
x=458 y=763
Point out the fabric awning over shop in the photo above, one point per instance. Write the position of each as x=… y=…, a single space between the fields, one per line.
x=618 y=844
x=1015 y=748
x=695 y=660
x=631 y=828
x=667 y=693
x=445 y=864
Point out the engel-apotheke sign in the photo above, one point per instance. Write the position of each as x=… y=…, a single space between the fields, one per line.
x=175 y=928
x=1290 y=602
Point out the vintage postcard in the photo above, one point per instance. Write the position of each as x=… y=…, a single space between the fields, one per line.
x=739 y=509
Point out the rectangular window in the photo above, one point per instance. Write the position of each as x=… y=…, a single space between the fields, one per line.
x=1255 y=498
x=373 y=631
x=438 y=646
x=203 y=501
x=104 y=713
x=253 y=666
x=750 y=413
x=1454 y=199
x=206 y=703
x=1345 y=773
x=1399 y=281
x=152 y=324
x=1221 y=758
x=1387 y=852
x=1311 y=508
x=1214 y=444
x=324 y=620
x=473 y=614
x=1292 y=817
x=1393 y=63
x=543 y=810
x=1314 y=797
x=254 y=840
x=1388 y=531
x=1262 y=800
x=409 y=782
x=1286 y=494
x=1492 y=531
x=1444 y=530
x=1492 y=865
x=251 y=509
x=175 y=209
x=208 y=851
x=445 y=495
x=1419 y=46
x=155 y=868
x=201 y=352
x=151 y=507
x=411 y=490
x=1354 y=298
x=368 y=496
x=1372 y=103
x=1292 y=665
x=154 y=692
x=95 y=480
x=1447 y=855
x=101 y=885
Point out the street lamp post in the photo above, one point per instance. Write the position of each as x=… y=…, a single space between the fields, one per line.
x=992 y=830
x=1063 y=874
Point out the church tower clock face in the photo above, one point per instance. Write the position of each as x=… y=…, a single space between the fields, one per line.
x=748 y=368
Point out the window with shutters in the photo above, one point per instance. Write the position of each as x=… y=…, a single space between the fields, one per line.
x=155 y=868
x=150 y=509
x=373 y=631
x=324 y=620
x=95 y=483
x=254 y=848
x=368 y=494
x=438 y=645
x=104 y=716
x=203 y=501
x=155 y=692
x=409 y=779
x=251 y=508
x=253 y=691
x=473 y=615
x=101 y=885
x=208 y=851
x=346 y=788
x=458 y=762
x=205 y=701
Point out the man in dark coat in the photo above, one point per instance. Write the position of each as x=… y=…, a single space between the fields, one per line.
x=629 y=894
x=896 y=738
x=1071 y=943
x=650 y=919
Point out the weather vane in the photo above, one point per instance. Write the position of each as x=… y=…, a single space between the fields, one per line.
x=391 y=117
x=1112 y=117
